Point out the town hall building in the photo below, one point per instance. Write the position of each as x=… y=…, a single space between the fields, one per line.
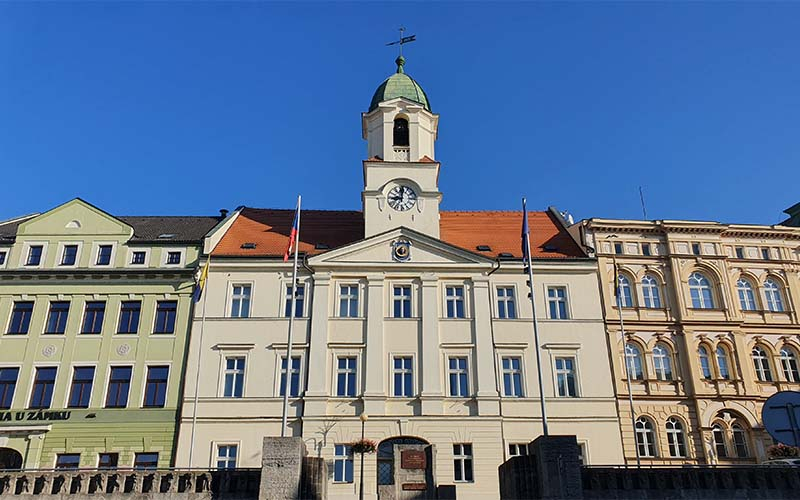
x=413 y=325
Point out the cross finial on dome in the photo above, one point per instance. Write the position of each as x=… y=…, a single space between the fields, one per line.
x=403 y=40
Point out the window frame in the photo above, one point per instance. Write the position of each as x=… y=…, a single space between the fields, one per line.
x=86 y=304
x=624 y=283
x=726 y=355
x=510 y=373
x=235 y=373
x=559 y=371
x=107 y=387
x=650 y=442
x=505 y=300
x=165 y=257
x=651 y=292
x=59 y=456
x=403 y=300
x=155 y=364
x=676 y=438
x=706 y=370
x=23 y=321
x=300 y=375
x=4 y=256
x=71 y=391
x=761 y=363
x=789 y=364
x=24 y=257
x=664 y=369
x=340 y=296
x=32 y=386
x=774 y=296
x=455 y=299
x=155 y=331
x=556 y=299
x=233 y=297
x=217 y=447
x=95 y=257
x=701 y=299
x=463 y=463
x=635 y=375
x=136 y=456
x=131 y=251
x=300 y=302
x=356 y=372
x=450 y=371
x=63 y=329
x=62 y=252
x=745 y=292
x=3 y=385
x=403 y=372
x=122 y=304
x=346 y=460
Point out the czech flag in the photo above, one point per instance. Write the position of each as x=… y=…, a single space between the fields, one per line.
x=293 y=234
x=525 y=232
x=201 y=282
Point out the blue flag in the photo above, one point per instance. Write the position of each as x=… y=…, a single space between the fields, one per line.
x=525 y=231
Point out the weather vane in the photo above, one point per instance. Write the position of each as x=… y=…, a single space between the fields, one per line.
x=403 y=39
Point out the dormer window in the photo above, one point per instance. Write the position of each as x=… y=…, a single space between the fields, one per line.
x=400 y=132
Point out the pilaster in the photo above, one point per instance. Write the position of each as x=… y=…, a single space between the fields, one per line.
x=316 y=392
x=374 y=370
x=429 y=353
x=486 y=388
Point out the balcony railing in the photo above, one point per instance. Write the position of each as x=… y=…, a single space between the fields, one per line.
x=401 y=153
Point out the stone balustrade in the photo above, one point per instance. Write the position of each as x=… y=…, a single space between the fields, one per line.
x=75 y=484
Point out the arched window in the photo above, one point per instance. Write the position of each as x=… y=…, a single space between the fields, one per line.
x=400 y=132
x=718 y=436
x=774 y=299
x=705 y=364
x=650 y=292
x=700 y=290
x=675 y=438
x=722 y=363
x=633 y=357
x=645 y=438
x=739 y=441
x=789 y=364
x=625 y=297
x=662 y=362
x=747 y=299
x=761 y=363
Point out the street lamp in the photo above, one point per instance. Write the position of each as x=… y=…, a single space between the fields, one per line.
x=364 y=417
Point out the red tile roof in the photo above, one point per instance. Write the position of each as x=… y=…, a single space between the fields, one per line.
x=269 y=230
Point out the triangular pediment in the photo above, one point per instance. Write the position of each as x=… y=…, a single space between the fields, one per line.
x=75 y=217
x=379 y=250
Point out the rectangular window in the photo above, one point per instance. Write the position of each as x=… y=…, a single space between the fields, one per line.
x=294 y=378
x=104 y=255
x=68 y=460
x=2 y=257
x=462 y=463
x=57 y=317
x=348 y=301
x=165 y=316
x=8 y=384
x=173 y=258
x=70 y=255
x=138 y=257
x=43 y=383
x=145 y=461
x=517 y=449
x=454 y=301
x=458 y=375
x=765 y=253
x=298 y=303
x=565 y=377
x=119 y=384
x=81 y=391
x=240 y=301
x=346 y=376
x=740 y=252
x=93 y=315
x=234 y=377
x=20 y=318
x=129 y=317
x=512 y=376
x=401 y=301
x=506 y=306
x=342 y=464
x=696 y=248
x=646 y=250
x=403 y=376
x=226 y=456
x=155 y=390
x=108 y=461
x=557 y=302
x=618 y=248
x=34 y=255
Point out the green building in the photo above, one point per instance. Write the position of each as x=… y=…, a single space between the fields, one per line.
x=94 y=311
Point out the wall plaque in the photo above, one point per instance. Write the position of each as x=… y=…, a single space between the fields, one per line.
x=412 y=459
x=415 y=486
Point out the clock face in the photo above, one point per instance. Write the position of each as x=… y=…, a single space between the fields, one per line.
x=402 y=198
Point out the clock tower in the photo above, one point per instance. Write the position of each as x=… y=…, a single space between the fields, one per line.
x=401 y=176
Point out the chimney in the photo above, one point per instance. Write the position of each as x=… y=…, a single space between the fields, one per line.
x=223 y=212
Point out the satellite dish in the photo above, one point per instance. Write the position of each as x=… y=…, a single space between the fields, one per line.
x=781 y=417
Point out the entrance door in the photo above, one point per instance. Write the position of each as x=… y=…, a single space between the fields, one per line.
x=386 y=462
x=10 y=459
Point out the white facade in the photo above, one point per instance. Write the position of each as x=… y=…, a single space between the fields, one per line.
x=437 y=373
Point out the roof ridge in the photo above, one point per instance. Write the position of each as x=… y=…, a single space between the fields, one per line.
x=172 y=216
x=304 y=209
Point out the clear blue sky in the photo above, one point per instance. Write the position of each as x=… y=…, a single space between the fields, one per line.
x=185 y=108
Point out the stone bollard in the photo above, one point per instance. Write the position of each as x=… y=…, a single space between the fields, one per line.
x=281 y=468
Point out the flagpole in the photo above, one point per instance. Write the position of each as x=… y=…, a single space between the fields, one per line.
x=199 y=355
x=286 y=384
x=527 y=242
x=617 y=293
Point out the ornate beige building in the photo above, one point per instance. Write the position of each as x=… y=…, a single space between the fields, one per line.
x=711 y=331
x=415 y=317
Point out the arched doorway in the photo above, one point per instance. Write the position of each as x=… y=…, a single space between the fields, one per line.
x=10 y=459
x=386 y=457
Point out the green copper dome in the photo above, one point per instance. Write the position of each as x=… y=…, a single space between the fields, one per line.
x=399 y=85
